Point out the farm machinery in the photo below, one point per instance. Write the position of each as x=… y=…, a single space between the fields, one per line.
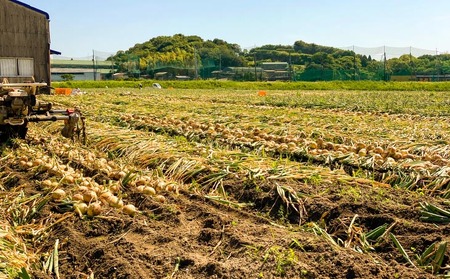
x=19 y=106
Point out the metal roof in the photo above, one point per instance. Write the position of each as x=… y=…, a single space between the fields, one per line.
x=31 y=8
x=78 y=71
x=73 y=63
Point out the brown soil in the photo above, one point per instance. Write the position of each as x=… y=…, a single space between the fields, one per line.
x=192 y=236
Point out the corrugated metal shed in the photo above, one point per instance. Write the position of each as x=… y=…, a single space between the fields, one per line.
x=276 y=66
x=31 y=8
x=25 y=42
x=80 y=69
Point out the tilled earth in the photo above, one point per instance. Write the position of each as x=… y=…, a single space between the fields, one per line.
x=192 y=236
x=265 y=228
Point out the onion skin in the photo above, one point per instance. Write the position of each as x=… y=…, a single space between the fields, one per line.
x=130 y=210
x=114 y=201
x=94 y=209
x=149 y=191
x=160 y=198
x=140 y=188
x=58 y=195
x=105 y=196
x=161 y=185
x=80 y=208
x=46 y=183
x=69 y=179
x=37 y=162
x=77 y=197
x=89 y=196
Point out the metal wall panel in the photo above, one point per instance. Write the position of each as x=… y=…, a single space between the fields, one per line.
x=26 y=67
x=24 y=33
x=8 y=67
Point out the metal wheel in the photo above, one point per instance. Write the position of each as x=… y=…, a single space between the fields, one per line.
x=75 y=128
x=12 y=131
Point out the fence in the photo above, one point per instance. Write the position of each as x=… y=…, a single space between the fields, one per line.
x=379 y=70
x=388 y=52
x=96 y=55
x=408 y=69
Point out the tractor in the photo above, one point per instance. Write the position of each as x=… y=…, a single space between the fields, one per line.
x=19 y=106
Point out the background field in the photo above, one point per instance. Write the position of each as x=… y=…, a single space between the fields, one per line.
x=234 y=85
x=234 y=183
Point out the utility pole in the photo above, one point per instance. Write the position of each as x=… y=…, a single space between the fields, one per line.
x=290 y=66
x=93 y=65
x=437 y=66
x=354 y=63
x=195 y=61
x=411 y=63
x=112 y=67
x=138 y=66
x=254 y=61
x=385 y=75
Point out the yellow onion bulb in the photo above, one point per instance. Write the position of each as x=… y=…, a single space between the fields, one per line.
x=130 y=210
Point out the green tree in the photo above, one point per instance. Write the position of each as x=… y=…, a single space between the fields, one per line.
x=325 y=60
x=180 y=54
x=400 y=66
x=446 y=67
x=67 y=77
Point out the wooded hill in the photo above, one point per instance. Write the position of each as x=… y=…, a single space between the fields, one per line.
x=308 y=61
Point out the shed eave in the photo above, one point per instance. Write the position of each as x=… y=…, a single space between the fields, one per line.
x=31 y=8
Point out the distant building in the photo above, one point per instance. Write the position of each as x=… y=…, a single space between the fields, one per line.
x=432 y=77
x=270 y=71
x=116 y=76
x=241 y=73
x=182 y=77
x=275 y=66
x=276 y=71
x=402 y=77
x=81 y=69
x=420 y=78
x=25 y=43
x=162 y=75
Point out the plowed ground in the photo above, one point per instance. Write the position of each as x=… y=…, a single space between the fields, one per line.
x=192 y=235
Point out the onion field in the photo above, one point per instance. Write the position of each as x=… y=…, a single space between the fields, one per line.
x=184 y=183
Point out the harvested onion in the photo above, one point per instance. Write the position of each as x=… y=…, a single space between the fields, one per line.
x=94 y=209
x=115 y=188
x=129 y=209
x=77 y=197
x=160 y=198
x=58 y=194
x=69 y=179
x=89 y=196
x=83 y=189
x=80 y=208
x=37 y=162
x=46 y=183
x=48 y=166
x=149 y=191
x=141 y=181
x=161 y=185
x=172 y=187
x=114 y=201
x=104 y=197
x=23 y=164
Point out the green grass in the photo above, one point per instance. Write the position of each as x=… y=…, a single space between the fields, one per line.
x=213 y=84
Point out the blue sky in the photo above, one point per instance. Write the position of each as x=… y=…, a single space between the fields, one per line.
x=78 y=27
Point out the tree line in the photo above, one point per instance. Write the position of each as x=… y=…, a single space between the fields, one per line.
x=191 y=55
